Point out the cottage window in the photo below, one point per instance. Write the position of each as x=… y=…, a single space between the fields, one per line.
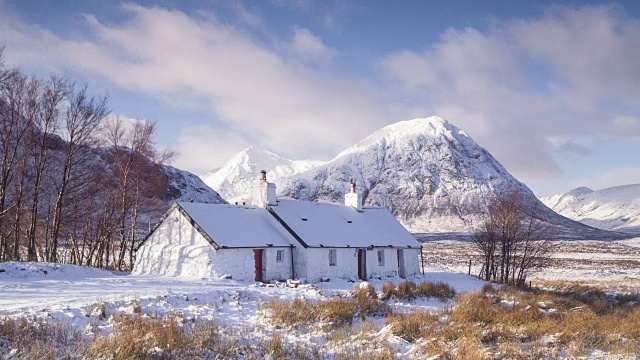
x=280 y=256
x=380 y=257
x=333 y=257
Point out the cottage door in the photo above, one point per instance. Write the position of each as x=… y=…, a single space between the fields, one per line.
x=257 y=256
x=362 y=264
x=401 y=270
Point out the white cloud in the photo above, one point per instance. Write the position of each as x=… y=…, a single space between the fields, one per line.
x=614 y=177
x=309 y=46
x=567 y=73
x=570 y=73
x=199 y=146
x=196 y=60
x=625 y=125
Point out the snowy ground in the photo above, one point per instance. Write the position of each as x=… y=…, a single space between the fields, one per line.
x=87 y=299
x=611 y=265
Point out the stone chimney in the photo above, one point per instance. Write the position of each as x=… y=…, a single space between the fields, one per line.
x=352 y=198
x=266 y=191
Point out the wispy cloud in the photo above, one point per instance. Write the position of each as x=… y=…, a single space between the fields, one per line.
x=309 y=46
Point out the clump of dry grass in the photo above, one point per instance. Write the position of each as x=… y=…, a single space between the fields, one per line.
x=368 y=302
x=372 y=352
x=141 y=337
x=34 y=340
x=507 y=319
x=438 y=290
x=332 y=313
x=413 y=325
x=290 y=312
x=408 y=290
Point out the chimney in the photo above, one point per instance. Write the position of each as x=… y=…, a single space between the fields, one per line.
x=266 y=191
x=352 y=198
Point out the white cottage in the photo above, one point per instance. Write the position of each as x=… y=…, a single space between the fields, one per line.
x=279 y=239
x=215 y=240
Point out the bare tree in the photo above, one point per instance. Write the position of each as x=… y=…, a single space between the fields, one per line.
x=13 y=130
x=44 y=111
x=81 y=120
x=63 y=198
x=514 y=238
x=135 y=159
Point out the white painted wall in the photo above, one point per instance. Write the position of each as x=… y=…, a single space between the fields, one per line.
x=317 y=264
x=312 y=264
x=412 y=261
x=390 y=267
x=273 y=269
x=177 y=249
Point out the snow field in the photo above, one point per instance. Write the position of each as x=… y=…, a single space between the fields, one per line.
x=613 y=266
x=91 y=301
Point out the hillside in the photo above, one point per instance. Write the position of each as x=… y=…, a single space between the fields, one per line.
x=615 y=208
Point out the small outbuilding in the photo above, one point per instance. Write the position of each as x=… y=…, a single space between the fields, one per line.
x=278 y=239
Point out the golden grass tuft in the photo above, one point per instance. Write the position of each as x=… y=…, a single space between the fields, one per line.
x=408 y=290
x=413 y=325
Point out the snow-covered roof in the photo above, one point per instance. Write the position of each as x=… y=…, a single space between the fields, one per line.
x=321 y=224
x=238 y=226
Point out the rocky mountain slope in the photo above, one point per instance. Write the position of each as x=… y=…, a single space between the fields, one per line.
x=615 y=208
x=427 y=172
x=185 y=186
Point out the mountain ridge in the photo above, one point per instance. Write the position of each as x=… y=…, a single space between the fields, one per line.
x=429 y=173
x=615 y=208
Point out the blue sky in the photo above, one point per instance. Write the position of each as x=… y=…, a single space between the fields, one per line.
x=549 y=88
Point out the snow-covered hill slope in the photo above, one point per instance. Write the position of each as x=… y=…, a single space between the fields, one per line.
x=430 y=174
x=185 y=186
x=616 y=208
x=235 y=179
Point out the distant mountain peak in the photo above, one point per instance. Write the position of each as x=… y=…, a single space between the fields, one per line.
x=581 y=190
x=615 y=208
x=236 y=177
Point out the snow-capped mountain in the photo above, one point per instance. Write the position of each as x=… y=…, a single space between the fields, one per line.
x=615 y=208
x=235 y=179
x=427 y=172
x=430 y=174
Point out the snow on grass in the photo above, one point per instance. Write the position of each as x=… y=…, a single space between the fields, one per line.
x=231 y=319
